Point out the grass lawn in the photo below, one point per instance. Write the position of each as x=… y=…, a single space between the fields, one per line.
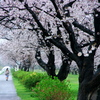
x=22 y=92
x=74 y=85
x=25 y=94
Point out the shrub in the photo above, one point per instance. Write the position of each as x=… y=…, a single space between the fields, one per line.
x=19 y=74
x=52 y=89
x=29 y=79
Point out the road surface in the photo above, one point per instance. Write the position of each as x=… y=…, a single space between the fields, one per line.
x=7 y=89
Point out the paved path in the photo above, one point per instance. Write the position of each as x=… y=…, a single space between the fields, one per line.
x=7 y=89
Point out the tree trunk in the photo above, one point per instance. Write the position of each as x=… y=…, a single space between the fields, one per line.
x=64 y=69
x=89 y=81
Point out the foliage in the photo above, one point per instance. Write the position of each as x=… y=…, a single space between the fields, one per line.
x=29 y=79
x=19 y=74
x=32 y=79
x=46 y=84
x=53 y=89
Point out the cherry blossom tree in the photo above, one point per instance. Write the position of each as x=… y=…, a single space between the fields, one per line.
x=18 y=46
x=88 y=84
x=59 y=23
x=50 y=70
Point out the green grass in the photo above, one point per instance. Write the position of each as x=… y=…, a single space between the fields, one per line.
x=25 y=94
x=74 y=85
x=22 y=92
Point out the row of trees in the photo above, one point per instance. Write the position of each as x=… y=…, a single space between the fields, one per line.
x=70 y=27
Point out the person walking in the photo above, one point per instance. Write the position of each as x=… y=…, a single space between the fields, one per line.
x=7 y=74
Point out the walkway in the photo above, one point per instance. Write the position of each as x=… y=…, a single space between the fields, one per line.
x=7 y=89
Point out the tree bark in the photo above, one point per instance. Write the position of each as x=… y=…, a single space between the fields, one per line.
x=89 y=83
x=83 y=28
x=64 y=69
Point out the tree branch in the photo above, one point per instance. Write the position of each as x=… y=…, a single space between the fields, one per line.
x=44 y=11
x=83 y=28
x=3 y=17
x=63 y=48
x=51 y=64
x=57 y=10
x=97 y=25
x=40 y=61
x=74 y=45
x=65 y=68
x=36 y=19
x=68 y=4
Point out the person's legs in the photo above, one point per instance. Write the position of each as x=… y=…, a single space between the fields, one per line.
x=7 y=77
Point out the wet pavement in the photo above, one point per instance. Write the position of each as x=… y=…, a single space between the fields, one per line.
x=7 y=89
